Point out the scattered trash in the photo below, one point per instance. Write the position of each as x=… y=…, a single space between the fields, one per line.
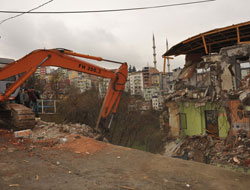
x=57 y=163
x=187 y=185
x=14 y=185
x=11 y=149
x=125 y=187
x=37 y=177
x=63 y=140
x=165 y=180
x=2 y=148
x=118 y=157
x=235 y=159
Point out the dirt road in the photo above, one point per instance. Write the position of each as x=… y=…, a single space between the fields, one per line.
x=82 y=163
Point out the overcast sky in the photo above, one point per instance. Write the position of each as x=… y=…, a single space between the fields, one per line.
x=121 y=36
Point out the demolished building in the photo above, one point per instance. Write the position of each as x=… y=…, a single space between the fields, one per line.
x=212 y=93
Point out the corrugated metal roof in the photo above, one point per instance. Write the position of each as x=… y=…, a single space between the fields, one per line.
x=212 y=41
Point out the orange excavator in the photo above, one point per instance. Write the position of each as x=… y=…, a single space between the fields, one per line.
x=67 y=59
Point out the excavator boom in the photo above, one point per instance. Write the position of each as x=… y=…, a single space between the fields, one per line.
x=67 y=59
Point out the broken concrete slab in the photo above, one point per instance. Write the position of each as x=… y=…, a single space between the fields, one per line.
x=23 y=133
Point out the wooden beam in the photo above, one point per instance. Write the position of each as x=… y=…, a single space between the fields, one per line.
x=164 y=64
x=238 y=35
x=204 y=44
x=216 y=31
x=216 y=42
x=246 y=42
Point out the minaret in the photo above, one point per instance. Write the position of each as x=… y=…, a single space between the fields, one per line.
x=154 y=53
x=167 y=59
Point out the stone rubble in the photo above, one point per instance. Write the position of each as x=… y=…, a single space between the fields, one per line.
x=50 y=130
x=234 y=151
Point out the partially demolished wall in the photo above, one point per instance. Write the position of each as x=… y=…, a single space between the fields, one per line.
x=217 y=80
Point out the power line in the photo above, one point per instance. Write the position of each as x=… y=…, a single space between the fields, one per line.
x=108 y=10
x=22 y=13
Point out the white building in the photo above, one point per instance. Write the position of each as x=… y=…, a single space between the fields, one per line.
x=83 y=84
x=136 y=83
x=157 y=102
x=127 y=86
x=149 y=92
x=103 y=86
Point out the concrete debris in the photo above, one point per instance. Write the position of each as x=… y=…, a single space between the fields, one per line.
x=14 y=185
x=11 y=149
x=63 y=140
x=23 y=134
x=234 y=152
x=50 y=130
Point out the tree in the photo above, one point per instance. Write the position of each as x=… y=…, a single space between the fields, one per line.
x=35 y=82
x=57 y=83
x=129 y=69
x=135 y=129
x=80 y=107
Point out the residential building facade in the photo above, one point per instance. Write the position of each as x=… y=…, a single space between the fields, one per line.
x=136 y=83
x=149 y=92
x=147 y=76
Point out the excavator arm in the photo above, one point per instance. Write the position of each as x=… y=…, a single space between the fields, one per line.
x=67 y=59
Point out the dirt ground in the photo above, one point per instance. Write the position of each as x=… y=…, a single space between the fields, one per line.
x=83 y=163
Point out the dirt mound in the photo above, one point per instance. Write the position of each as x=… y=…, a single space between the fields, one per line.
x=82 y=145
x=78 y=138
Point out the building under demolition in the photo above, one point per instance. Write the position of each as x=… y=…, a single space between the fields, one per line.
x=211 y=94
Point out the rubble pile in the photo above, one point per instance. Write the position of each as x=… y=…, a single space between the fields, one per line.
x=233 y=151
x=197 y=148
x=49 y=130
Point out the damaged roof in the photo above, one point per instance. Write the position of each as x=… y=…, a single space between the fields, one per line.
x=212 y=41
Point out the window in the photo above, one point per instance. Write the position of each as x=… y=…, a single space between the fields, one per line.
x=12 y=78
x=245 y=69
x=183 y=121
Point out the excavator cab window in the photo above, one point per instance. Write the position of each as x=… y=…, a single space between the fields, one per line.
x=4 y=84
x=13 y=78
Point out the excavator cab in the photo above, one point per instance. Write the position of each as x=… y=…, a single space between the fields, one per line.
x=6 y=83
x=13 y=115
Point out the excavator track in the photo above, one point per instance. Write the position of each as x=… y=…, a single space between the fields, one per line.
x=18 y=116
